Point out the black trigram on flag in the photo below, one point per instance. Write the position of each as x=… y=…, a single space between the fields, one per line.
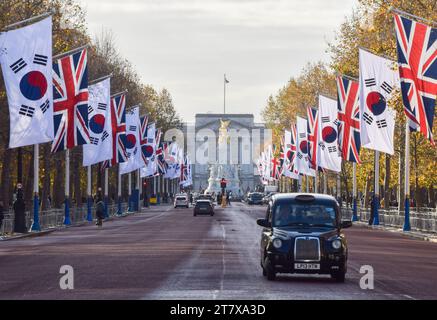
x=45 y=106
x=135 y=151
x=370 y=82
x=386 y=87
x=40 y=59
x=332 y=149
x=18 y=65
x=132 y=128
x=90 y=109
x=322 y=145
x=336 y=122
x=105 y=136
x=302 y=135
x=299 y=155
x=368 y=118
x=94 y=141
x=381 y=123
x=102 y=106
x=27 y=111
x=128 y=154
x=326 y=119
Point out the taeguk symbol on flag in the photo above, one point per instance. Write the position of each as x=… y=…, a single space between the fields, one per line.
x=70 y=94
x=417 y=59
x=25 y=57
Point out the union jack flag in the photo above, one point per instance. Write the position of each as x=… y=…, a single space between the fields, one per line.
x=417 y=59
x=118 y=118
x=313 y=135
x=349 y=119
x=70 y=101
x=143 y=135
x=161 y=164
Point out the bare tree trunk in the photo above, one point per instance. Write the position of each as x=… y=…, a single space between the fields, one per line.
x=28 y=185
x=387 y=191
x=5 y=194
x=77 y=176
x=58 y=183
x=402 y=170
x=368 y=186
x=45 y=193
x=417 y=194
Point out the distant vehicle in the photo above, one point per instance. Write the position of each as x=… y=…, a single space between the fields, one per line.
x=181 y=200
x=268 y=189
x=255 y=198
x=203 y=206
x=268 y=197
x=302 y=234
x=205 y=197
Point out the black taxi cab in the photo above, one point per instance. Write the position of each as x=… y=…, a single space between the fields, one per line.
x=302 y=234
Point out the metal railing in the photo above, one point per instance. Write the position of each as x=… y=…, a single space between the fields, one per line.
x=54 y=218
x=422 y=220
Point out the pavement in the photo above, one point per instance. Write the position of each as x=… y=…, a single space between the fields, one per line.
x=166 y=253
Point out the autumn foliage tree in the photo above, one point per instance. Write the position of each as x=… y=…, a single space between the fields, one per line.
x=369 y=26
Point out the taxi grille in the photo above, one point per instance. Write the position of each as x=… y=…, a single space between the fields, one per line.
x=307 y=249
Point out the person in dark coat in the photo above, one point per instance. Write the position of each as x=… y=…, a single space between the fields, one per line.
x=100 y=210
x=19 y=210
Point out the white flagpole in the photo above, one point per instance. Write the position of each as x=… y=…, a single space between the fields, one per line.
x=376 y=191
x=354 y=192
x=138 y=187
x=106 y=193
x=316 y=182
x=300 y=183
x=67 y=220
x=338 y=186
x=224 y=96
x=89 y=192
x=119 y=192
x=407 y=226
x=129 y=192
x=158 y=196
x=307 y=178
x=35 y=225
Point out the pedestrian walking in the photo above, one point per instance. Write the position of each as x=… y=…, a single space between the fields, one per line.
x=100 y=210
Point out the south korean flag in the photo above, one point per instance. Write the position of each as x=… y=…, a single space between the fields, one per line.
x=328 y=153
x=302 y=160
x=133 y=146
x=26 y=60
x=99 y=123
x=378 y=80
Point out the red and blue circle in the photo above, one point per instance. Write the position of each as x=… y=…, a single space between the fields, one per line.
x=131 y=141
x=376 y=103
x=289 y=155
x=329 y=134
x=97 y=123
x=147 y=151
x=33 y=85
x=304 y=147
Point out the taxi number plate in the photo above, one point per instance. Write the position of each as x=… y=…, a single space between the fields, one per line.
x=307 y=266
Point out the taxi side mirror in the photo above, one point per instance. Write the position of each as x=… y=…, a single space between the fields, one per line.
x=263 y=223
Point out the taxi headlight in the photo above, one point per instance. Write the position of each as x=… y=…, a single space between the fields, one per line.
x=277 y=243
x=336 y=244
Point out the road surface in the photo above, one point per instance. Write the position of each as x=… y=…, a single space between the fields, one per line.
x=166 y=253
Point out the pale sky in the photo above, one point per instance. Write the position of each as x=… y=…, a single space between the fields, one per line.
x=187 y=46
